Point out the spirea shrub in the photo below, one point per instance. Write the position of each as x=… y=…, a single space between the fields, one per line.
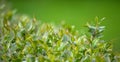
x=23 y=39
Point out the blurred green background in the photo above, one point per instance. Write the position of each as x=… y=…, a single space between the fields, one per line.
x=75 y=12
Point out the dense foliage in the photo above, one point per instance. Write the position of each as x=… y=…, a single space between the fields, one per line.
x=23 y=39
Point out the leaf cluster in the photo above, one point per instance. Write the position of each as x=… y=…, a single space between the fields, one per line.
x=23 y=39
